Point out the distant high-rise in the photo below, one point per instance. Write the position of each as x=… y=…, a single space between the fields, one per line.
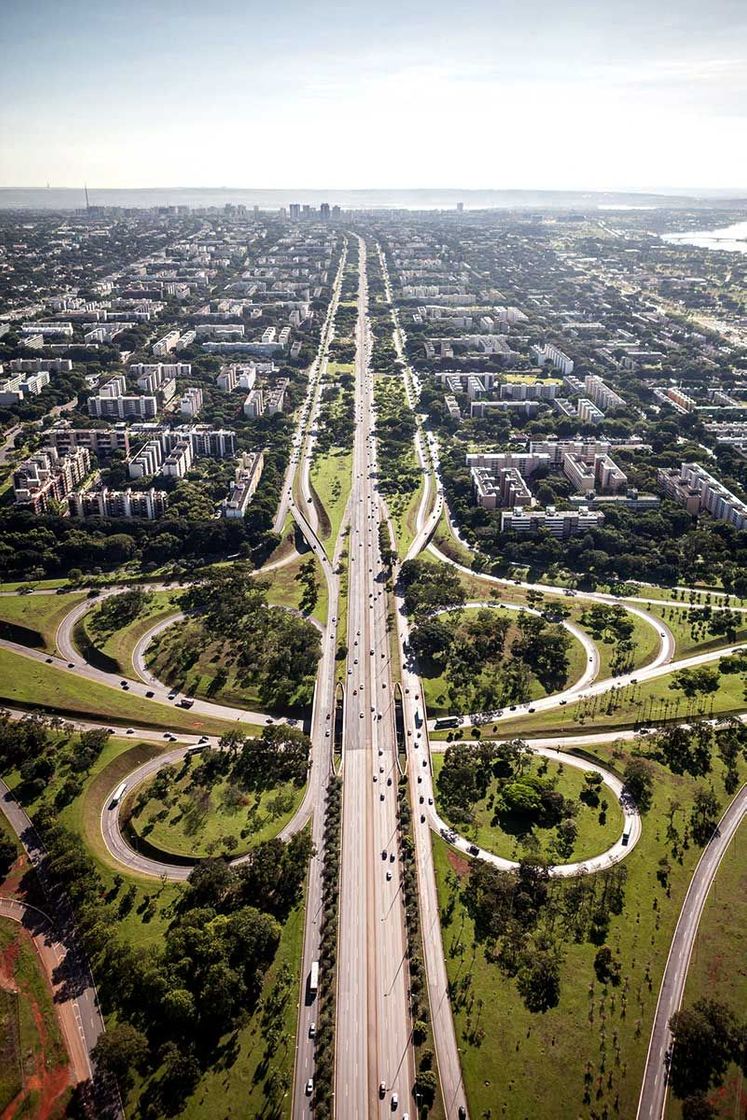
x=335 y=211
x=460 y=207
x=324 y=211
x=295 y=211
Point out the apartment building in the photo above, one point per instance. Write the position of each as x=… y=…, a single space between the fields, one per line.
x=549 y=353
x=47 y=477
x=113 y=402
x=601 y=394
x=698 y=491
x=254 y=404
x=13 y=389
x=146 y=504
x=191 y=403
x=587 y=411
x=102 y=442
x=529 y=391
x=559 y=523
x=147 y=461
x=165 y=345
x=35 y=365
x=178 y=461
x=600 y=474
x=245 y=483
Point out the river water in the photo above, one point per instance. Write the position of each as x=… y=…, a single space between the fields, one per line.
x=732 y=239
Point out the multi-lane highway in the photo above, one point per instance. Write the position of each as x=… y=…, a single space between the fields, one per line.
x=374 y=1055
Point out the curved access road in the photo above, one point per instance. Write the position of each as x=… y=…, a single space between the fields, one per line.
x=655 y=1082
x=636 y=676
x=629 y=837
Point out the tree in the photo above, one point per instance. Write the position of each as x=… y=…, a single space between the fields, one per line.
x=425 y=1087
x=704 y=815
x=7 y=854
x=639 y=783
x=121 y=1051
x=707 y=1038
x=698 y=1107
x=539 y=981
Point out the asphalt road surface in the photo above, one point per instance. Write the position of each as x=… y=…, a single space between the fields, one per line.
x=374 y=1044
x=654 y=1090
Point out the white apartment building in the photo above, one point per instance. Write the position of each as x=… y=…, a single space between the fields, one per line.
x=113 y=402
x=148 y=504
x=166 y=344
x=178 y=461
x=147 y=461
x=600 y=393
x=587 y=411
x=254 y=404
x=698 y=491
x=246 y=481
x=557 y=359
x=191 y=402
x=559 y=523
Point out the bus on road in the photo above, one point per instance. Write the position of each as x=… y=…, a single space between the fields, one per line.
x=118 y=795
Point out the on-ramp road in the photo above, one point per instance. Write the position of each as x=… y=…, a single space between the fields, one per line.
x=654 y=1088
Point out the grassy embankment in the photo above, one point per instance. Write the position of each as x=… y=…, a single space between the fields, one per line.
x=145 y=907
x=589 y=1049
x=436 y=689
x=627 y=707
x=33 y=619
x=112 y=650
x=32 y=684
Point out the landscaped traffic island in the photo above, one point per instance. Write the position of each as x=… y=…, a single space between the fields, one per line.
x=520 y=806
x=221 y=802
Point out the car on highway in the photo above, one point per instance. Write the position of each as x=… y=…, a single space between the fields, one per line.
x=388 y=876
x=310 y=1082
x=49 y=660
x=312 y=1030
x=382 y=1089
x=150 y=694
x=395 y=1102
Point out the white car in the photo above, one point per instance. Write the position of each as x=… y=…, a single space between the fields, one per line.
x=309 y=1086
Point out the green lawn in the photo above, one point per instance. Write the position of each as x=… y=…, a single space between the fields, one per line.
x=332 y=476
x=117 y=647
x=39 y=614
x=449 y=545
x=193 y=821
x=644 y=703
x=213 y=676
x=404 y=512
x=436 y=689
x=285 y=589
x=596 y=832
x=691 y=639
x=32 y=684
x=594 y=1031
x=254 y=1076
x=717 y=966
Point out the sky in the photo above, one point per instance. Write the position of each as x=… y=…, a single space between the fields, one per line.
x=466 y=94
